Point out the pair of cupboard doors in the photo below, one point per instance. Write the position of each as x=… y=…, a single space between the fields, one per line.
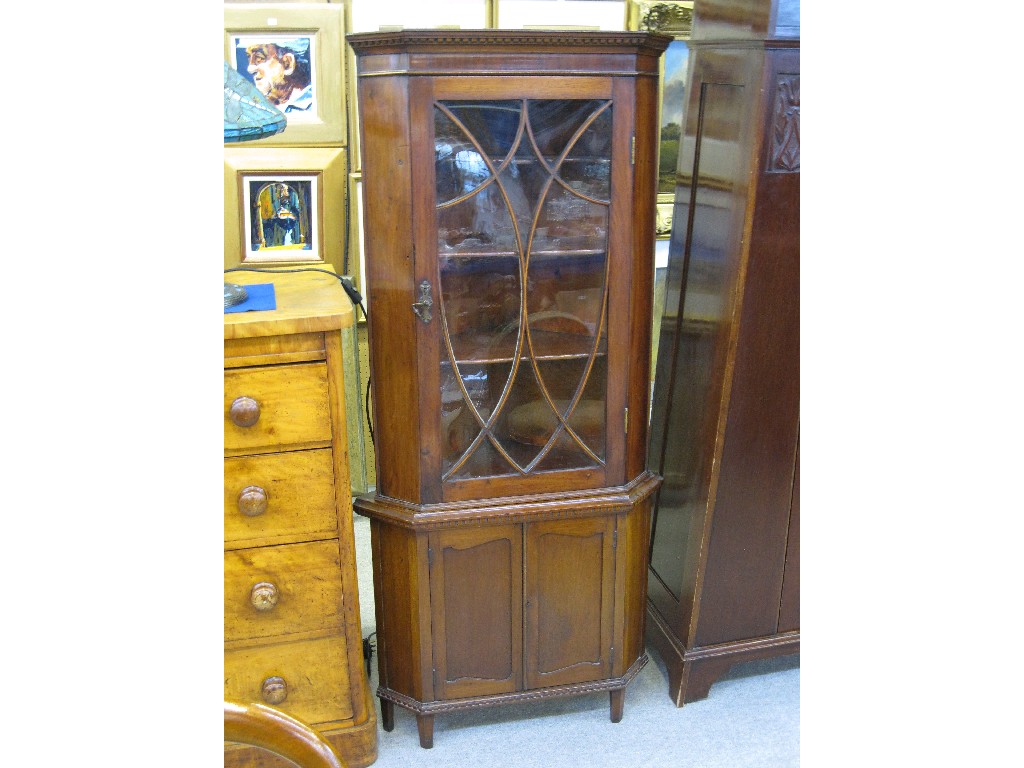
x=508 y=607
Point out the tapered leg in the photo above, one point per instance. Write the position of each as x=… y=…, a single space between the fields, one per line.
x=425 y=725
x=387 y=715
x=618 y=699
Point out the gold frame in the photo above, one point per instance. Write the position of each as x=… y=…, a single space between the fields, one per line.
x=356 y=265
x=564 y=22
x=670 y=17
x=329 y=164
x=352 y=102
x=325 y=22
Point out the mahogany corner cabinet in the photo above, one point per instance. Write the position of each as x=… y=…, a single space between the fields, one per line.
x=508 y=202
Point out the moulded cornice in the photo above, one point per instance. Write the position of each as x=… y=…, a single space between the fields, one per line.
x=420 y=38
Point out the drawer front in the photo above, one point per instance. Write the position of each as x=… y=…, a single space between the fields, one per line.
x=290 y=406
x=281 y=590
x=279 y=498
x=315 y=674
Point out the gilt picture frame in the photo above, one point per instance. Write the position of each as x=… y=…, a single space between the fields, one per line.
x=284 y=206
x=294 y=54
x=609 y=15
x=670 y=17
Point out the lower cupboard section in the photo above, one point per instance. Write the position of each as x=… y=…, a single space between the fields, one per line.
x=482 y=606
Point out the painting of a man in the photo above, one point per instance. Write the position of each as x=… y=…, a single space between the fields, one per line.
x=280 y=210
x=281 y=220
x=280 y=68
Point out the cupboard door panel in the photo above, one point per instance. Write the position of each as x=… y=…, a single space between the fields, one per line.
x=476 y=588
x=569 y=583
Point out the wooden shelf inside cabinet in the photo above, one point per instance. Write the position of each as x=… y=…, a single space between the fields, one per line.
x=474 y=252
x=507 y=215
x=292 y=632
x=483 y=349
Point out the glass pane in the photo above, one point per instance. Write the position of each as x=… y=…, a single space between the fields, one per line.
x=458 y=426
x=554 y=125
x=588 y=420
x=587 y=168
x=493 y=125
x=566 y=454
x=568 y=221
x=523 y=190
x=693 y=333
x=481 y=306
x=522 y=429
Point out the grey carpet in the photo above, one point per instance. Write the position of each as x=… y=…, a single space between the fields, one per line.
x=750 y=720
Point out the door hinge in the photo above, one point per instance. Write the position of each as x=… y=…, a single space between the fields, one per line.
x=430 y=557
x=625 y=421
x=632 y=151
x=615 y=538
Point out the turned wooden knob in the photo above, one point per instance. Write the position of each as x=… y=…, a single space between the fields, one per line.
x=252 y=501
x=275 y=690
x=263 y=596
x=244 y=411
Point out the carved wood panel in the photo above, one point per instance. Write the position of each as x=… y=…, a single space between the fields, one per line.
x=785 y=153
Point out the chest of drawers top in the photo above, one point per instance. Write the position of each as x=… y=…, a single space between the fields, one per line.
x=307 y=303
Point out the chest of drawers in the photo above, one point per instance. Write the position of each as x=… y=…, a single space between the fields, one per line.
x=292 y=631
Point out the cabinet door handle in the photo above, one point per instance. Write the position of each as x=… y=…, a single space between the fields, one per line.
x=244 y=411
x=422 y=307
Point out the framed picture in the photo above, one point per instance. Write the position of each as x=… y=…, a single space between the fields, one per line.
x=451 y=14
x=284 y=206
x=356 y=258
x=561 y=14
x=676 y=19
x=294 y=55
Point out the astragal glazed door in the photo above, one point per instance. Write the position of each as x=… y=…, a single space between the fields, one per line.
x=523 y=211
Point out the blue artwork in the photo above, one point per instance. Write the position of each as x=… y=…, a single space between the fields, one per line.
x=281 y=68
x=280 y=215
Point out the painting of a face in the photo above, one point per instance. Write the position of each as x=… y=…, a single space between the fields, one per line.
x=267 y=68
x=281 y=68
